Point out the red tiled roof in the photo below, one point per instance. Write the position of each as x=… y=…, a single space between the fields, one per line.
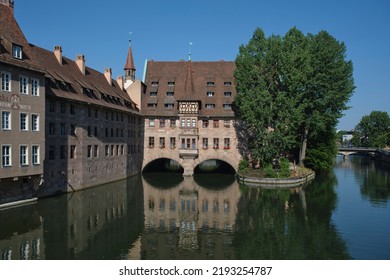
x=68 y=82
x=10 y=33
x=189 y=80
x=129 y=61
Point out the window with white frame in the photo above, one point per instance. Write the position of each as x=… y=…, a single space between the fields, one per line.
x=23 y=84
x=23 y=155
x=6 y=159
x=35 y=160
x=17 y=51
x=23 y=121
x=5 y=81
x=151 y=122
x=34 y=122
x=6 y=120
x=34 y=87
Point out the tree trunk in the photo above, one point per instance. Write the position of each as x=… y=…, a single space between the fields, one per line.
x=302 y=152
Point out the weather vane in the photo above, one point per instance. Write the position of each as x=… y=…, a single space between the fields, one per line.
x=130 y=38
x=189 y=51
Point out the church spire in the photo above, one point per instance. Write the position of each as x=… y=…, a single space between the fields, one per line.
x=129 y=66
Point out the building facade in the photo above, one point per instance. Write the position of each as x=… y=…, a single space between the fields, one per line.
x=93 y=128
x=22 y=112
x=188 y=113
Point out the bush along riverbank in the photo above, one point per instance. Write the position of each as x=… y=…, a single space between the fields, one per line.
x=281 y=174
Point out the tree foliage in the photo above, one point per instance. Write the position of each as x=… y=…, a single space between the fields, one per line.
x=373 y=130
x=290 y=88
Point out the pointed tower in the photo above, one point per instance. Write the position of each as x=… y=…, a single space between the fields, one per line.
x=129 y=67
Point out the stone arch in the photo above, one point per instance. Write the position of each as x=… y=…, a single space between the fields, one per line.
x=203 y=160
x=148 y=164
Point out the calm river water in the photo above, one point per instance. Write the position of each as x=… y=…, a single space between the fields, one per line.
x=343 y=215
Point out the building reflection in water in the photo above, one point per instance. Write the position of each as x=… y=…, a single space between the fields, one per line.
x=185 y=220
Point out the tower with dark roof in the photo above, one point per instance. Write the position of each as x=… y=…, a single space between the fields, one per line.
x=129 y=68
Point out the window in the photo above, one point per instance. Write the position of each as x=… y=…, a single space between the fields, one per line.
x=72 y=109
x=51 y=152
x=205 y=143
x=162 y=142
x=171 y=83
x=23 y=121
x=169 y=105
x=188 y=122
x=5 y=81
x=194 y=123
x=153 y=93
x=23 y=155
x=151 y=142
x=173 y=123
x=17 y=51
x=6 y=159
x=95 y=150
x=210 y=106
x=52 y=106
x=23 y=85
x=226 y=143
x=62 y=152
x=5 y=120
x=34 y=87
x=52 y=128
x=154 y=83
x=227 y=94
x=170 y=93
x=172 y=142
x=152 y=105
x=72 y=151
x=215 y=123
x=227 y=106
x=34 y=122
x=210 y=83
x=162 y=122
x=89 y=151
x=73 y=129
x=62 y=128
x=35 y=159
x=89 y=131
x=205 y=123
x=227 y=84
x=210 y=93
x=216 y=143
x=151 y=122
x=107 y=148
x=226 y=123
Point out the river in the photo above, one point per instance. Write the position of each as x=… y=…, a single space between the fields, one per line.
x=341 y=215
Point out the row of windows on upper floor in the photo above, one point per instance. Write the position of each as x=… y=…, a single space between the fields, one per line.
x=92 y=151
x=208 y=83
x=189 y=143
x=24 y=155
x=109 y=114
x=27 y=85
x=24 y=121
x=93 y=131
x=209 y=94
x=190 y=205
x=188 y=123
x=167 y=105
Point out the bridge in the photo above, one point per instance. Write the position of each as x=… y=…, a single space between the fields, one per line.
x=356 y=150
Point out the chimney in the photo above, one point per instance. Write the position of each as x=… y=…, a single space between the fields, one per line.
x=120 y=82
x=80 y=61
x=58 y=53
x=108 y=75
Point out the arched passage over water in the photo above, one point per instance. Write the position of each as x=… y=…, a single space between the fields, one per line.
x=214 y=166
x=163 y=165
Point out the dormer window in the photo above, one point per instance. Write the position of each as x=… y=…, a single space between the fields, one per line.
x=210 y=83
x=154 y=83
x=171 y=83
x=17 y=51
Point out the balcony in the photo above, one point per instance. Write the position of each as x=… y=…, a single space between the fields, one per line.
x=188 y=153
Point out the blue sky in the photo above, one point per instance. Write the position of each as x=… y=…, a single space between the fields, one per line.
x=162 y=30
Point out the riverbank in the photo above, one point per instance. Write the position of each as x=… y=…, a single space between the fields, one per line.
x=275 y=182
x=383 y=155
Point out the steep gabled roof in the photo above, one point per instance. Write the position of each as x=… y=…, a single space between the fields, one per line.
x=189 y=81
x=67 y=81
x=10 y=33
x=129 y=60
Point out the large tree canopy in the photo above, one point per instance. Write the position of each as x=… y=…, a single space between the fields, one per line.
x=373 y=130
x=291 y=89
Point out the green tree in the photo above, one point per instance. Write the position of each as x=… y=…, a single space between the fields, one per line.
x=373 y=130
x=289 y=89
